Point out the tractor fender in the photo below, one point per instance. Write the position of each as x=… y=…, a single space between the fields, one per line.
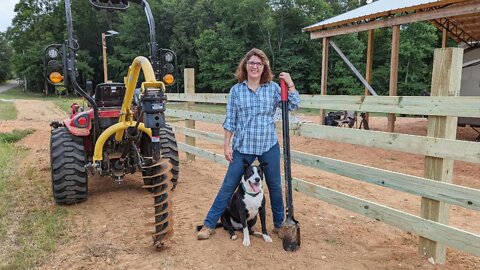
x=79 y=124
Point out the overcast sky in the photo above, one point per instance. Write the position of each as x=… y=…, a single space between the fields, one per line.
x=6 y=13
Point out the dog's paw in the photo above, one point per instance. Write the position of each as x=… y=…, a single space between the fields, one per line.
x=234 y=237
x=246 y=242
x=267 y=238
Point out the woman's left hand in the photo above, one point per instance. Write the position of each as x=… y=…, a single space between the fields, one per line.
x=286 y=77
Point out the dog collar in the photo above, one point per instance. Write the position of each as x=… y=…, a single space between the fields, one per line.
x=249 y=193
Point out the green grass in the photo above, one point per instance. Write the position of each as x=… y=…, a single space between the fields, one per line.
x=7 y=111
x=15 y=135
x=33 y=226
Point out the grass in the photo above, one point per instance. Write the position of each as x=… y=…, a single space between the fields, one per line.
x=7 y=111
x=30 y=227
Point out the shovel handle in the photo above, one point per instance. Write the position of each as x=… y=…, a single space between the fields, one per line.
x=284 y=90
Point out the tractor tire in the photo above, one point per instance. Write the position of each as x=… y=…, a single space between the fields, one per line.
x=169 y=150
x=67 y=160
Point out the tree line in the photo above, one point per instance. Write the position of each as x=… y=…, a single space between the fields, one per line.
x=211 y=36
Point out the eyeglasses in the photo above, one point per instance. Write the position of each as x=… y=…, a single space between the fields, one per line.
x=252 y=64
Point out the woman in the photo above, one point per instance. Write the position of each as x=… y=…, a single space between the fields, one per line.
x=250 y=120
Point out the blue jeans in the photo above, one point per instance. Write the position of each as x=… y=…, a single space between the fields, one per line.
x=233 y=177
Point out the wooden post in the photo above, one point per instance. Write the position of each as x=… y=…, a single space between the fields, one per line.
x=446 y=78
x=189 y=81
x=104 y=50
x=368 y=71
x=323 y=89
x=444 y=38
x=393 y=72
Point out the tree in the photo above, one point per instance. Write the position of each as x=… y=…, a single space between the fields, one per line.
x=5 y=58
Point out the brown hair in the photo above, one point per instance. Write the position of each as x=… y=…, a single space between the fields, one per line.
x=241 y=73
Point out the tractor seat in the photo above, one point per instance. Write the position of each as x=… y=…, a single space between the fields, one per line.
x=109 y=94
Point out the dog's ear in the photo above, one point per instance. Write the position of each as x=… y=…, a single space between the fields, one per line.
x=245 y=163
x=263 y=165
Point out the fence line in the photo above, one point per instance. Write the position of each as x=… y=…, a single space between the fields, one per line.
x=450 y=236
x=435 y=105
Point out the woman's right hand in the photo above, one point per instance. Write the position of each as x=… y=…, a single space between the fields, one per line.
x=227 y=150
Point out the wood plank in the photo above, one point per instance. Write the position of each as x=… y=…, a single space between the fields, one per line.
x=198 y=97
x=445 y=106
x=446 y=192
x=423 y=105
x=441 y=233
x=420 y=145
x=208 y=136
x=205 y=117
x=469 y=8
x=446 y=80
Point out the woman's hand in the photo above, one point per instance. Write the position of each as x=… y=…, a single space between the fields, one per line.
x=286 y=77
x=227 y=150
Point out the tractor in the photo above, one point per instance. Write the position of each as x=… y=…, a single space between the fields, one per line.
x=123 y=130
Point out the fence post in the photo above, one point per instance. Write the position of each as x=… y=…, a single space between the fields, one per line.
x=446 y=78
x=189 y=82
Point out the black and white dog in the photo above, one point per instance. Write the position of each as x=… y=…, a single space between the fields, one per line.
x=247 y=203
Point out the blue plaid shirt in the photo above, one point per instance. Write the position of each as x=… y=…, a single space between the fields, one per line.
x=250 y=116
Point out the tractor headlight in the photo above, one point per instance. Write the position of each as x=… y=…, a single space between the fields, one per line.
x=169 y=57
x=52 y=53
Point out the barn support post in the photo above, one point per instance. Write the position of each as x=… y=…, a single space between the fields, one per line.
x=323 y=83
x=393 y=72
x=369 y=64
x=189 y=78
x=446 y=79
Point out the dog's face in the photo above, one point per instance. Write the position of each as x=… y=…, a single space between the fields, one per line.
x=253 y=175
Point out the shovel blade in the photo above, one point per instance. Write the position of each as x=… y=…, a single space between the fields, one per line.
x=291 y=237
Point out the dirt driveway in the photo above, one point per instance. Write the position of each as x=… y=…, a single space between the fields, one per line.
x=107 y=231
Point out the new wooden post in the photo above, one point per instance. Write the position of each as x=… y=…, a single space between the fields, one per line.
x=393 y=72
x=446 y=78
x=189 y=81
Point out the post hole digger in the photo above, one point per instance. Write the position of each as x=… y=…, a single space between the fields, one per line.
x=123 y=130
x=291 y=228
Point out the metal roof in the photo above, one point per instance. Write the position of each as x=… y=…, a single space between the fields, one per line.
x=384 y=9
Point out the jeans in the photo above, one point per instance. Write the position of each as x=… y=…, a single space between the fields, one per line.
x=232 y=180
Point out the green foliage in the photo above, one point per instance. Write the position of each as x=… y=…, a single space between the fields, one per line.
x=212 y=36
x=5 y=58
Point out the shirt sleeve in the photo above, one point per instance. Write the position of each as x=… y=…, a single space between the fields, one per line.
x=231 y=117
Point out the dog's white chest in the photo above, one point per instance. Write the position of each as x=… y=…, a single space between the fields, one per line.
x=252 y=204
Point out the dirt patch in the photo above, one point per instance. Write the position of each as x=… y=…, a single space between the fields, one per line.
x=108 y=230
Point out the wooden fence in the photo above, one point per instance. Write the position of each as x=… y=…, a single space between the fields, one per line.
x=439 y=147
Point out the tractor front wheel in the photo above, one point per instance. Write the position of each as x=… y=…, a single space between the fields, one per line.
x=67 y=159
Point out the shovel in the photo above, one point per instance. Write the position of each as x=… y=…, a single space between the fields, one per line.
x=291 y=228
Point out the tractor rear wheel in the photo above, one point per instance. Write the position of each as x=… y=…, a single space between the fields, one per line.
x=169 y=151
x=69 y=175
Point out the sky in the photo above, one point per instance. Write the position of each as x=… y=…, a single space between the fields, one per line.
x=6 y=13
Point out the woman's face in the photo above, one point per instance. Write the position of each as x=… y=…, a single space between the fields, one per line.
x=254 y=68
